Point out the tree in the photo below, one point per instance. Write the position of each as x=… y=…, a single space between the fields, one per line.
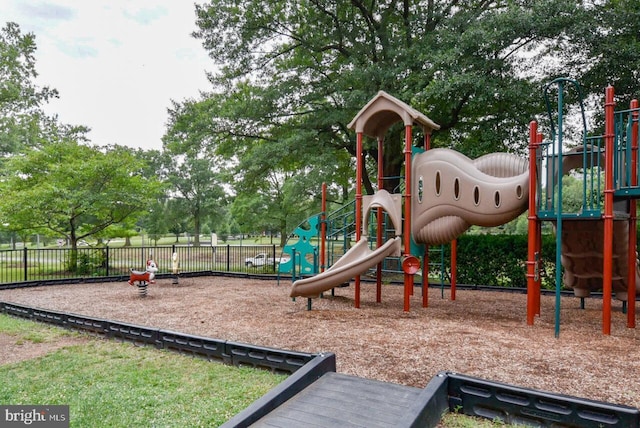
x=22 y=122
x=197 y=187
x=124 y=229
x=276 y=181
x=606 y=50
x=154 y=222
x=176 y=217
x=275 y=204
x=74 y=190
x=295 y=73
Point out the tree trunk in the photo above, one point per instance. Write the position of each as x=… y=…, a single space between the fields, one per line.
x=393 y=161
x=196 y=230
x=284 y=233
x=72 y=263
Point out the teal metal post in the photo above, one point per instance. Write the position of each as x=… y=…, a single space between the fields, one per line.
x=559 y=208
x=556 y=174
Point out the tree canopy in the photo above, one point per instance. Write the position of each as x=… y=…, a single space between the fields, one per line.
x=292 y=74
x=22 y=121
x=73 y=190
x=52 y=182
x=300 y=70
x=197 y=188
x=289 y=76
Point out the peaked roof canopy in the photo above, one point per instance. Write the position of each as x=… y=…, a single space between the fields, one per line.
x=375 y=118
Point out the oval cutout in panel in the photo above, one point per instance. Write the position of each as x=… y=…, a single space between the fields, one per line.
x=437 y=183
x=519 y=192
x=456 y=189
x=476 y=195
x=496 y=199
x=421 y=189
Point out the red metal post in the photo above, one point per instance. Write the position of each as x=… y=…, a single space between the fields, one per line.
x=379 y=220
x=633 y=264
x=408 y=278
x=323 y=229
x=607 y=273
x=359 y=168
x=532 y=229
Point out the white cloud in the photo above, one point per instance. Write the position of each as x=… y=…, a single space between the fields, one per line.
x=116 y=64
x=44 y=12
x=146 y=16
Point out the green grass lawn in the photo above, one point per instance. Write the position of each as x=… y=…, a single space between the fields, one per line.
x=112 y=384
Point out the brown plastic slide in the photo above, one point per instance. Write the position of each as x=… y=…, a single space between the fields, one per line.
x=360 y=257
x=354 y=262
x=452 y=192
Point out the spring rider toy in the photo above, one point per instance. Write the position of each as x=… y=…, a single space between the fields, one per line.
x=175 y=264
x=144 y=278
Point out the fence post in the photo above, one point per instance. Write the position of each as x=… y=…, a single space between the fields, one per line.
x=273 y=252
x=25 y=260
x=106 y=256
x=228 y=257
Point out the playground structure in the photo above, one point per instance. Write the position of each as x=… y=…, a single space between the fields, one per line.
x=445 y=193
x=449 y=194
x=585 y=244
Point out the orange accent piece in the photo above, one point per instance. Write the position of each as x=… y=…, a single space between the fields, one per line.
x=410 y=265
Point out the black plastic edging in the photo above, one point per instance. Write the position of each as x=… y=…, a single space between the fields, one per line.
x=134 y=333
x=312 y=371
x=57 y=318
x=528 y=407
x=266 y=358
x=234 y=353
x=205 y=347
x=88 y=325
x=431 y=404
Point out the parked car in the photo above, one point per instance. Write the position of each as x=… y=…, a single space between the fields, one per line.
x=263 y=259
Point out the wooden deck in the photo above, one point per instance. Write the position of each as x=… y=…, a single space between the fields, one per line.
x=345 y=401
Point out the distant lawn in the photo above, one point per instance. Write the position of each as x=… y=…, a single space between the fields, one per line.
x=112 y=384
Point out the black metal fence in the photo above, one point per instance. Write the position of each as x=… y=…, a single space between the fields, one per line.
x=28 y=265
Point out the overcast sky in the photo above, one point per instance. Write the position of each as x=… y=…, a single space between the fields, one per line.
x=116 y=63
